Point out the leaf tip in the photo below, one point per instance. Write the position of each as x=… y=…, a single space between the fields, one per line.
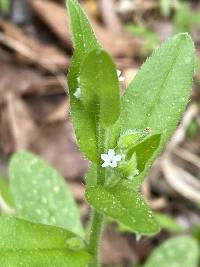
x=184 y=36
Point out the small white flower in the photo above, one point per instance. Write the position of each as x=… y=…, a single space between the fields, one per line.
x=110 y=159
x=120 y=76
x=77 y=94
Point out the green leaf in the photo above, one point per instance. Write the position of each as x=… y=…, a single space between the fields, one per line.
x=124 y=205
x=100 y=86
x=25 y=244
x=145 y=150
x=180 y=252
x=83 y=36
x=165 y=221
x=131 y=138
x=196 y=232
x=145 y=153
x=168 y=223
x=5 y=6
x=84 y=42
x=5 y=192
x=160 y=91
x=41 y=194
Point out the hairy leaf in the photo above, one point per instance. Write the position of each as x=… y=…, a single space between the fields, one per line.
x=160 y=91
x=23 y=243
x=100 y=87
x=41 y=194
x=124 y=205
x=145 y=153
x=84 y=42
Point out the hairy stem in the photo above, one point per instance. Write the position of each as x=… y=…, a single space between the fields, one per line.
x=95 y=238
x=97 y=219
x=96 y=226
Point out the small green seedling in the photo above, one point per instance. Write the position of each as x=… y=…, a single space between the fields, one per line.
x=120 y=135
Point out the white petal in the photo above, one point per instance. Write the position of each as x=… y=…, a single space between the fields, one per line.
x=111 y=153
x=78 y=79
x=118 y=157
x=113 y=164
x=105 y=164
x=104 y=157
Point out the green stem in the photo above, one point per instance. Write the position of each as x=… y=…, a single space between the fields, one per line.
x=97 y=218
x=95 y=238
x=96 y=226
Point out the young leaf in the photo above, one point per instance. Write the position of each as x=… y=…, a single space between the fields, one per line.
x=84 y=41
x=124 y=205
x=145 y=155
x=23 y=243
x=160 y=91
x=180 y=252
x=100 y=87
x=41 y=194
x=145 y=150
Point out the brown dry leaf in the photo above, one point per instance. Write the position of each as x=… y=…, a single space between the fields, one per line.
x=20 y=124
x=116 y=44
x=55 y=16
x=22 y=81
x=33 y=51
x=77 y=190
x=47 y=109
x=178 y=178
x=60 y=113
x=109 y=15
x=115 y=248
x=54 y=142
x=6 y=140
